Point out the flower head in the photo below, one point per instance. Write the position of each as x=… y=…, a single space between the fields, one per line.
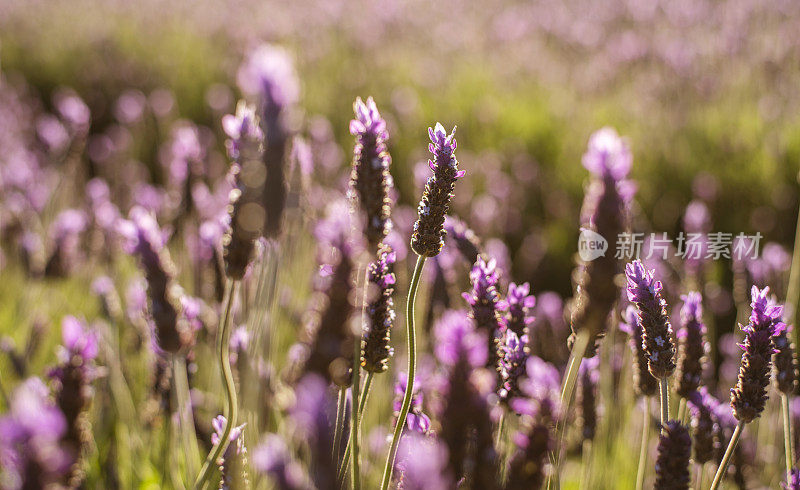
x=376 y=348
x=645 y=292
x=674 y=451
x=428 y=237
x=749 y=395
x=644 y=383
x=692 y=345
x=512 y=359
x=519 y=302
x=705 y=426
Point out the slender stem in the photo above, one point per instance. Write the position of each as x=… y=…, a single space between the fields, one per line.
x=664 y=385
x=185 y=418
x=338 y=429
x=586 y=464
x=500 y=427
x=223 y=351
x=362 y=402
x=682 y=410
x=787 y=435
x=643 y=444
x=793 y=290
x=412 y=366
x=355 y=470
x=723 y=466
x=567 y=390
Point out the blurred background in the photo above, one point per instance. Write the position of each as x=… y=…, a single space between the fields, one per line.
x=706 y=91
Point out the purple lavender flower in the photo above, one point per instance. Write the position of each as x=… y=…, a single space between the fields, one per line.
x=233 y=467
x=370 y=180
x=484 y=298
x=310 y=416
x=588 y=377
x=519 y=301
x=643 y=382
x=605 y=211
x=145 y=239
x=73 y=391
x=784 y=373
x=529 y=466
x=692 y=345
x=705 y=426
x=674 y=451
x=31 y=455
x=541 y=392
x=421 y=464
x=376 y=348
x=645 y=292
x=794 y=480
x=246 y=210
x=749 y=395
x=466 y=241
x=428 y=237
x=328 y=337
x=513 y=356
x=268 y=73
x=465 y=416
x=274 y=459
x=416 y=420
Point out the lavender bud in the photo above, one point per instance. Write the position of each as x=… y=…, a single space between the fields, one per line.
x=749 y=395
x=645 y=292
x=245 y=210
x=416 y=420
x=31 y=453
x=705 y=427
x=674 y=451
x=794 y=480
x=519 y=301
x=644 y=383
x=486 y=303
x=692 y=346
x=376 y=348
x=529 y=464
x=269 y=74
x=605 y=211
x=73 y=391
x=370 y=180
x=784 y=372
x=428 y=237
x=146 y=240
x=588 y=376
x=513 y=356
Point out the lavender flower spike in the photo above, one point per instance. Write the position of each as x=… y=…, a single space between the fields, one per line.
x=643 y=382
x=784 y=362
x=484 y=298
x=370 y=180
x=794 y=480
x=605 y=211
x=513 y=356
x=246 y=212
x=705 y=426
x=692 y=345
x=519 y=301
x=645 y=292
x=376 y=348
x=428 y=237
x=233 y=467
x=674 y=451
x=749 y=395
x=588 y=377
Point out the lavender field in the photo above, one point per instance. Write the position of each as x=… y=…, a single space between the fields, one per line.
x=500 y=245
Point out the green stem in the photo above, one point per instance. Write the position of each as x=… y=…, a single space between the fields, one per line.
x=185 y=418
x=643 y=444
x=412 y=366
x=355 y=470
x=567 y=390
x=793 y=290
x=223 y=351
x=362 y=402
x=500 y=425
x=723 y=466
x=663 y=383
x=338 y=428
x=682 y=411
x=787 y=435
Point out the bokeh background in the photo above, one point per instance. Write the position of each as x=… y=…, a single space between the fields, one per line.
x=705 y=91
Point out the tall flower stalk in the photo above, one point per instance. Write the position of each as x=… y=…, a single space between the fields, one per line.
x=645 y=292
x=749 y=396
x=427 y=240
